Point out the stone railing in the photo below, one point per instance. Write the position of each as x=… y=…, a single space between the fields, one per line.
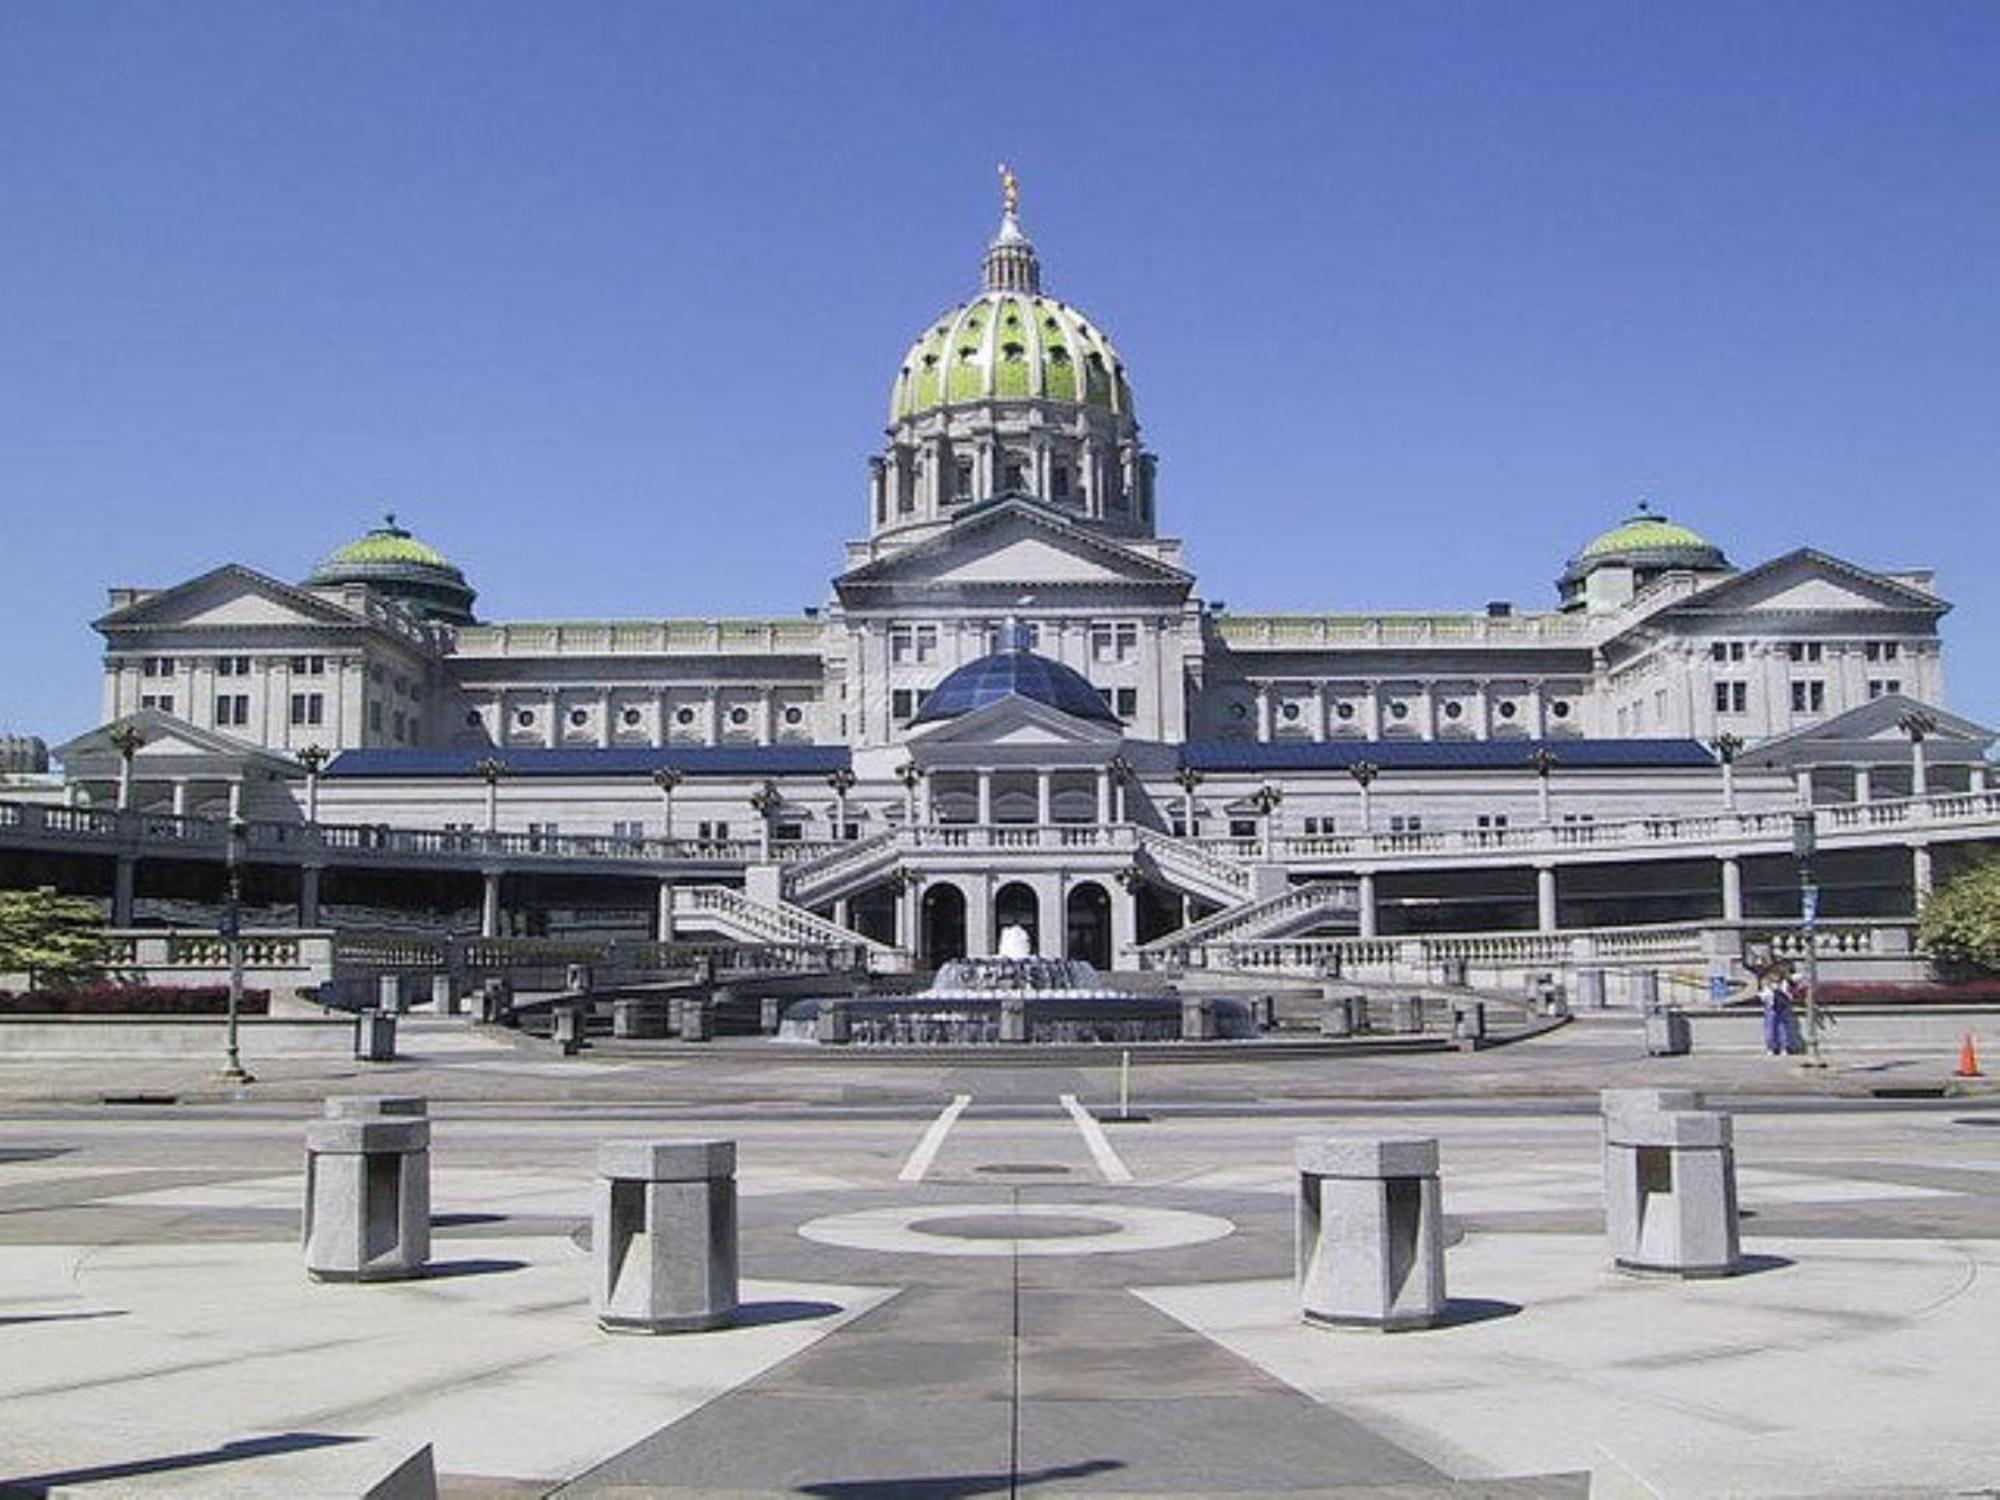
x=754 y=921
x=1296 y=905
x=1194 y=863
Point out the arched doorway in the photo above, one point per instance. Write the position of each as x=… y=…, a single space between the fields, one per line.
x=1088 y=913
x=1016 y=905
x=942 y=937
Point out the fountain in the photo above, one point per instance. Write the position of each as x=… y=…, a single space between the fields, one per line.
x=1015 y=996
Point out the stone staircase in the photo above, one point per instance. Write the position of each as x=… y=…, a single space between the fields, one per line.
x=1292 y=910
x=840 y=872
x=726 y=910
x=1190 y=868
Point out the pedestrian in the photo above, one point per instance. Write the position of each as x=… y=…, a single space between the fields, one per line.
x=1775 y=993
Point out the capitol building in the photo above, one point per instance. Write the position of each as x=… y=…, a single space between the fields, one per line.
x=1015 y=706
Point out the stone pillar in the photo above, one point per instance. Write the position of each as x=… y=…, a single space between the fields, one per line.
x=1103 y=797
x=1922 y=877
x=1976 y=781
x=830 y=1028
x=663 y=915
x=642 y=1019
x=374 y=1036
x=235 y=798
x=1804 y=779
x=770 y=1014
x=1920 y=782
x=1365 y=883
x=697 y=1020
x=1545 y=897
x=663 y=1236
x=1864 y=785
x=1343 y=1010
x=1590 y=988
x=1013 y=1018
x=389 y=994
x=1197 y=1019
x=1669 y=1189
x=1370 y=1243
x=124 y=878
x=1468 y=1022
x=444 y=994
x=180 y=804
x=1044 y=798
x=1732 y=889
x=489 y=904
x=985 y=796
x=1642 y=987
x=309 y=876
x=377 y=1107
x=1668 y=1033
x=1263 y=712
x=567 y=1028
x=367 y=1199
x=1406 y=1014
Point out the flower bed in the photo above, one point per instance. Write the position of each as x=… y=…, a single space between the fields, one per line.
x=132 y=1000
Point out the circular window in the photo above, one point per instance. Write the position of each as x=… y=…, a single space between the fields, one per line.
x=1507 y=709
x=472 y=720
x=630 y=716
x=1454 y=710
x=578 y=717
x=683 y=716
x=795 y=716
x=1291 y=710
x=1343 y=710
x=1239 y=710
x=1399 y=710
x=1559 y=709
x=739 y=716
x=524 y=717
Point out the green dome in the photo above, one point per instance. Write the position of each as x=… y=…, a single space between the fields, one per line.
x=1646 y=532
x=1647 y=543
x=399 y=565
x=1010 y=346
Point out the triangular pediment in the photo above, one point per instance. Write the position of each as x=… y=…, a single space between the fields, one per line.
x=168 y=745
x=1878 y=730
x=1013 y=545
x=1020 y=723
x=231 y=597
x=1810 y=582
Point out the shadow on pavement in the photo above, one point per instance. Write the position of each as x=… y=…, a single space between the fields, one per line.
x=233 y=1452
x=11 y=1319
x=954 y=1486
x=444 y=1270
x=759 y=1314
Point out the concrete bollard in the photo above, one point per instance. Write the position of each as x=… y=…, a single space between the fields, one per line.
x=638 y=1019
x=1343 y=1015
x=1468 y=1022
x=1669 y=1190
x=444 y=995
x=568 y=1028
x=1668 y=1033
x=368 y=1198
x=770 y=1014
x=1453 y=972
x=576 y=979
x=1590 y=988
x=830 y=1026
x=1643 y=987
x=1264 y=1012
x=377 y=1107
x=1013 y=1018
x=1370 y=1246
x=374 y=1037
x=697 y=1021
x=1406 y=1014
x=389 y=994
x=1197 y=1019
x=664 y=1236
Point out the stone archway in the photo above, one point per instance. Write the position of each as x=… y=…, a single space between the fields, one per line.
x=941 y=935
x=1087 y=924
x=1016 y=905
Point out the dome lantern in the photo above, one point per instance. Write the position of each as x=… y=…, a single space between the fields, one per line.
x=400 y=566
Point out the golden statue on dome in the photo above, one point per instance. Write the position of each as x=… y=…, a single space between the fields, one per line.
x=1010 y=190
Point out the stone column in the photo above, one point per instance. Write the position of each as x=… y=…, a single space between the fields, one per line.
x=1921 y=872
x=663 y=1236
x=1804 y=777
x=1263 y=712
x=124 y=878
x=1732 y=889
x=1976 y=782
x=1319 y=710
x=663 y=915
x=1044 y=797
x=1103 y=797
x=1545 y=898
x=489 y=904
x=1370 y=1241
x=985 y=796
x=180 y=804
x=309 y=876
x=367 y=1199
x=1864 y=787
x=1366 y=883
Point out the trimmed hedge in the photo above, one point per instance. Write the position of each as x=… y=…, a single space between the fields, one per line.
x=132 y=1000
x=1886 y=992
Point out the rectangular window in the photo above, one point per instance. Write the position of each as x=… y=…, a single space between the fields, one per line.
x=961 y=480
x=902 y=643
x=232 y=709
x=1492 y=821
x=1101 y=643
x=1059 y=482
x=1732 y=697
x=164 y=702
x=1406 y=823
x=375 y=717
x=1803 y=650
x=308 y=708
x=1725 y=650
x=1881 y=687
x=1574 y=818
x=711 y=832
x=1126 y=704
x=157 y=666
x=927 y=642
x=902 y=705
x=1243 y=828
x=401 y=724
x=628 y=830
x=1808 y=696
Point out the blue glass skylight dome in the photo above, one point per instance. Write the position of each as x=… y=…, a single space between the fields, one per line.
x=1015 y=673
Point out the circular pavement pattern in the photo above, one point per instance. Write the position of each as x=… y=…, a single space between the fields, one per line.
x=1010 y=1229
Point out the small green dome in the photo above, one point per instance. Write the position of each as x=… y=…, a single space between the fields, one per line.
x=393 y=562
x=1647 y=543
x=1646 y=532
x=1010 y=346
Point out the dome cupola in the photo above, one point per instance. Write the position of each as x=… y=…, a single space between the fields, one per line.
x=399 y=565
x=1611 y=568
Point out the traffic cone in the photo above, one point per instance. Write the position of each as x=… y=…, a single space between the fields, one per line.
x=1968 y=1058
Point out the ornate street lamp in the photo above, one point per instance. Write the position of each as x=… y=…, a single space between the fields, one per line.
x=909 y=773
x=232 y=934
x=125 y=739
x=1542 y=760
x=1364 y=773
x=1187 y=778
x=1266 y=799
x=1727 y=747
x=1919 y=726
x=764 y=802
x=1131 y=877
x=314 y=759
x=1805 y=843
x=666 y=778
x=1120 y=770
x=842 y=781
x=490 y=770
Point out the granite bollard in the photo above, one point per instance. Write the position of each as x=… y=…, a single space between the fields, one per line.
x=1642 y=986
x=770 y=1014
x=830 y=1026
x=389 y=994
x=1342 y=1015
x=1668 y=1033
x=444 y=995
x=567 y=1028
x=639 y=1019
x=1590 y=988
x=1406 y=1014
x=576 y=979
x=697 y=1021
x=368 y=1198
x=664 y=1236
x=374 y=1036
x=377 y=1107
x=1013 y=1018
x=1370 y=1247
x=1468 y=1022
x=1669 y=1189
x=1197 y=1019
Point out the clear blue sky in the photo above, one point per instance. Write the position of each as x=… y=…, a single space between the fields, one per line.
x=604 y=299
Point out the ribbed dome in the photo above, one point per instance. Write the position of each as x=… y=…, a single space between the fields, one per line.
x=1014 y=674
x=1650 y=542
x=1006 y=346
x=393 y=562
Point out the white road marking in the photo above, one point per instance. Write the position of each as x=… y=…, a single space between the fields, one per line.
x=927 y=1148
x=1107 y=1160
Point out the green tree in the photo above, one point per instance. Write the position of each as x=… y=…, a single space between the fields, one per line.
x=1961 y=921
x=49 y=937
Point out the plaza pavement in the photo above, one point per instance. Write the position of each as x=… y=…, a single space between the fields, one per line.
x=998 y=1296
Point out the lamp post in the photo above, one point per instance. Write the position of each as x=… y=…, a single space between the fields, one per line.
x=1187 y=778
x=666 y=778
x=1805 y=842
x=232 y=934
x=1727 y=747
x=842 y=781
x=1121 y=770
x=1266 y=799
x=1364 y=773
x=1543 y=760
x=313 y=758
x=764 y=802
x=125 y=739
x=1919 y=726
x=909 y=773
x=491 y=769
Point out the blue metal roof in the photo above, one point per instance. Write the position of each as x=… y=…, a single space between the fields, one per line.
x=634 y=760
x=1014 y=674
x=1442 y=755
